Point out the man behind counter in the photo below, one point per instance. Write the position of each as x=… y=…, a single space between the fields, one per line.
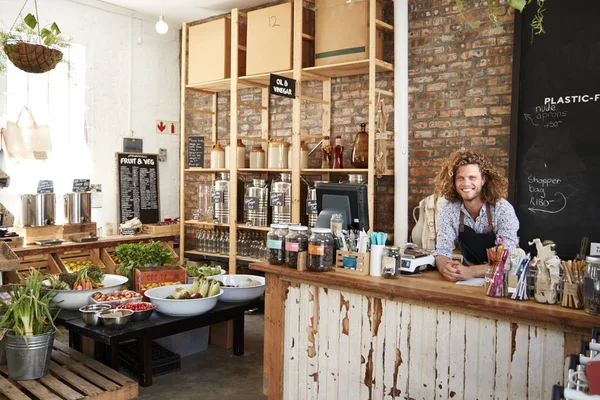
x=477 y=215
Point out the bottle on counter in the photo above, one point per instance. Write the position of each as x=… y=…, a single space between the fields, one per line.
x=326 y=151
x=338 y=153
x=360 y=149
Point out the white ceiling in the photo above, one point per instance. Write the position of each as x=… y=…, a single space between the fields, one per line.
x=178 y=11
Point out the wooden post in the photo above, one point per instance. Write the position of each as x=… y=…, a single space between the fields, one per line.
x=182 y=138
x=372 y=100
x=233 y=121
x=296 y=109
x=275 y=290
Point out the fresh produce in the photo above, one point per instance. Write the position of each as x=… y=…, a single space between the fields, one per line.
x=245 y=283
x=116 y=296
x=137 y=306
x=153 y=285
x=204 y=270
x=89 y=277
x=201 y=288
x=115 y=259
x=139 y=255
x=74 y=266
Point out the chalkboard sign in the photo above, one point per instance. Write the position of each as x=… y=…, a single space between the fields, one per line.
x=138 y=187
x=311 y=207
x=251 y=203
x=195 y=145
x=81 y=185
x=45 y=186
x=276 y=198
x=554 y=175
x=217 y=196
x=282 y=86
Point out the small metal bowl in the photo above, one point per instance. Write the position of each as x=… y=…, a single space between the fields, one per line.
x=140 y=315
x=89 y=313
x=115 y=319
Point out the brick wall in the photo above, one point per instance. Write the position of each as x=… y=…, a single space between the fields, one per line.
x=460 y=66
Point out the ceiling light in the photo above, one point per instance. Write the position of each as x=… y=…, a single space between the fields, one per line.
x=161 y=26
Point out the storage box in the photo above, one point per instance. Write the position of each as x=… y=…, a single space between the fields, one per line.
x=142 y=276
x=352 y=263
x=73 y=230
x=342 y=32
x=186 y=343
x=45 y=263
x=64 y=259
x=154 y=229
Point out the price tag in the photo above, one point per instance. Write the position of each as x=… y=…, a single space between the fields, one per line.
x=277 y=198
x=311 y=207
x=251 y=203
x=196 y=216
x=217 y=196
x=81 y=185
x=45 y=186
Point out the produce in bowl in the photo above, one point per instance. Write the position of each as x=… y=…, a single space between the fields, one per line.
x=73 y=299
x=117 y=298
x=237 y=288
x=181 y=303
x=205 y=270
x=141 y=311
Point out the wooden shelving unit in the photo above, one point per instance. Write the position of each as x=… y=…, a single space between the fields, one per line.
x=252 y=228
x=325 y=74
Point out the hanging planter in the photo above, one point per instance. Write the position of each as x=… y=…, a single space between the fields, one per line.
x=31 y=48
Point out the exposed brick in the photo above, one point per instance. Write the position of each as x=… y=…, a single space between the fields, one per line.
x=475 y=112
x=436 y=86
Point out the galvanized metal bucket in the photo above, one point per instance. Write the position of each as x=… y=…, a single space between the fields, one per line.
x=29 y=359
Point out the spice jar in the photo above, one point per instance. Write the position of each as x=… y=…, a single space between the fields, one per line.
x=390 y=262
x=257 y=157
x=276 y=244
x=591 y=286
x=278 y=154
x=296 y=246
x=217 y=156
x=320 y=250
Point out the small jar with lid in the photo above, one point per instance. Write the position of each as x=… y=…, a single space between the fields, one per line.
x=320 y=250
x=296 y=247
x=217 y=156
x=257 y=157
x=276 y=244
x=591 y=286
x=278 y=154
x=391 y=261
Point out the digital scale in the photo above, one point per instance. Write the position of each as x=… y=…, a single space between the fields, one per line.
x=414 y=261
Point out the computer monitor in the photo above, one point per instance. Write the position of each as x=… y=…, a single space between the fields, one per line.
x=348 y=199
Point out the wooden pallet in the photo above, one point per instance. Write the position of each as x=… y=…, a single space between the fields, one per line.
x=73 y=375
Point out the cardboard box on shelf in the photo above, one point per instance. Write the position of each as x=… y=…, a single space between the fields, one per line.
x=342 y=32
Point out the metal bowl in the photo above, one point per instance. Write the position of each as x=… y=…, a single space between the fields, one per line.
x=140 y=315
x=115 y=319
x=89 y=313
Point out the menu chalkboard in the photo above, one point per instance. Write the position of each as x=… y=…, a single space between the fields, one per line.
x=195 y=151
x=556 y=168
x=81 y=185
x=45 y=186
x=138 y=187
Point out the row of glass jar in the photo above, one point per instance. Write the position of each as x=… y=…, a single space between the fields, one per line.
x=280 y=156
x=296 y=247
x=212 y=241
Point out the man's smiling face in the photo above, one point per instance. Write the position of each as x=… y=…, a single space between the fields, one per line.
x=468 y=182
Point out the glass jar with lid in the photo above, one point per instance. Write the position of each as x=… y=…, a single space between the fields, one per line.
x=320 y=250
x=296 y=247
x=391 y=261
x=591 y=286
x=276 y=244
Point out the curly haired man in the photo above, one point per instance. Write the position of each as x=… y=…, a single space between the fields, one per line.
x=477 y=215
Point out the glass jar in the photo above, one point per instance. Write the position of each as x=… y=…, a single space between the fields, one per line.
x=217 y=156
x=338 y=154
x=296 y=246
x=257 y=157
x=336 y=223
x=278 y=155
x=591 y=286
x=276 y=244
x=326 y=153
x=390 y=262
x=360 y=149
x=320 y=250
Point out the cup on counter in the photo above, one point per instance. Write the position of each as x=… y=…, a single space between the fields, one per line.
x=376 y=254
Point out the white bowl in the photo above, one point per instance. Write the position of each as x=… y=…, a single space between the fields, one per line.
x=180 y=308
x=237 y=294
x=73 y=299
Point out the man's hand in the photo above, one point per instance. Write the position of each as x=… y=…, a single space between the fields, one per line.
x=454 y=271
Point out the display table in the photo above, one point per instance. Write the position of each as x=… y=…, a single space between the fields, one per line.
x=330 y=335
x=157 y=326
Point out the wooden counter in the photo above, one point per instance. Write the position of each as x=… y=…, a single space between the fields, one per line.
x=329 y=335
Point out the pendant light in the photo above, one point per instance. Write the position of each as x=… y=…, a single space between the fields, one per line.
x=161 y=26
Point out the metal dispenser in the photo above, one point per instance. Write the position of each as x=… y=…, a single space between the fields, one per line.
x=312 y=195
x=220 y=194
x=282 y=214
x=258 y=194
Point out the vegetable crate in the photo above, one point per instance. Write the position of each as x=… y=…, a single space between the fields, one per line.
x=84 y=229
x=110 y=261
x=72 y=261
x=14 y=242
x=169 y=246
x=45 y=263
x=145 y=277
x=352 y=263
x=8 y=259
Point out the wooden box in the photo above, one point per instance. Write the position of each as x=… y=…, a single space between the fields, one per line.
x=8 y=259
x=32 y=234
x=72 y=230
x=168 y=246
x=154 y=229
x=63 y=260
x=45 y=263
x=14 y=242
x=107 y=259
x=358 y=263
x=144 y=276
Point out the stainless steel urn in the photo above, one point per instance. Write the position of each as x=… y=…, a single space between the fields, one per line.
x=220 y=194
x=260 y=192
x=312 y=195
x=38 y=209
x=78 y=207
x=283 y=214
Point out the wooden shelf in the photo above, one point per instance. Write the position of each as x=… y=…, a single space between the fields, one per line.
x=200 y=253
x=339 y=171
x=207 y=224
x=205 y=170
x=263 y=170
x=253 y=228
x=261 y=80
x=349 y=68
x=248 y=259
x=221 y=85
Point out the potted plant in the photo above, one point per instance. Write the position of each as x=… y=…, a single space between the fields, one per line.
x=139 y=255
x=31 y=48
x=28 y=329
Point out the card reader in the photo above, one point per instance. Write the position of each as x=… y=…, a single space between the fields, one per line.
x=414 y=263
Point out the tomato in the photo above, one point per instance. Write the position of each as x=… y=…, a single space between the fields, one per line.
x=137 y=306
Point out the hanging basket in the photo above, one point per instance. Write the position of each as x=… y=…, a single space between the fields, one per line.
x=32 y=57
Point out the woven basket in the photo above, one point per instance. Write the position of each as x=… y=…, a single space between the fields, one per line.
x=32 y=57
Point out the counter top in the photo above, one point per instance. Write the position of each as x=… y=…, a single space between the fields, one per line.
x=431 y=288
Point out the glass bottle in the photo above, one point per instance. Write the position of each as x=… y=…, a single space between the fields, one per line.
x=326 y=150
x=338 y=153
x=360 y=149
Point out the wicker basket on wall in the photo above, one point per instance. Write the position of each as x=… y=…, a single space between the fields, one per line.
x=34 y=58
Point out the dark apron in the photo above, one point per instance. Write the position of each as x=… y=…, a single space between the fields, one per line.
x=473 y=245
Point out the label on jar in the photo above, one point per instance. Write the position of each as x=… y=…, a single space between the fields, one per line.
x=542 y=286
x=274 y=244
x=290 y=246
x=196 y=216
x=388 y=265
x=571 y=289
x=316 y=250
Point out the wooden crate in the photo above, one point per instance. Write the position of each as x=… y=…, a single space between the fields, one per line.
x=8 y=259
x=78 y=255
x=84 y=229
x=111 y=266
x=169 y=246
x=72 y=375
x=143 y=276
x=46 y=264
x=32 y=234
x=13 y=242
x=154 y=229
x=360 y=260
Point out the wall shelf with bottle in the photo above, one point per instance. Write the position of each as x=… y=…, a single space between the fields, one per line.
x=253 y=228
x=205 y=170
x=201 y=253
x=260 y=170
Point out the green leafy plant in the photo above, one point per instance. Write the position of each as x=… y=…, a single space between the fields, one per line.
x=495 y=10
x=27 y=313
x=139 y=255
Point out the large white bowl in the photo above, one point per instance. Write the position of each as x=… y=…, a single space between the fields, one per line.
x=237 y=294
x=73 y=299
x=180 y=308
